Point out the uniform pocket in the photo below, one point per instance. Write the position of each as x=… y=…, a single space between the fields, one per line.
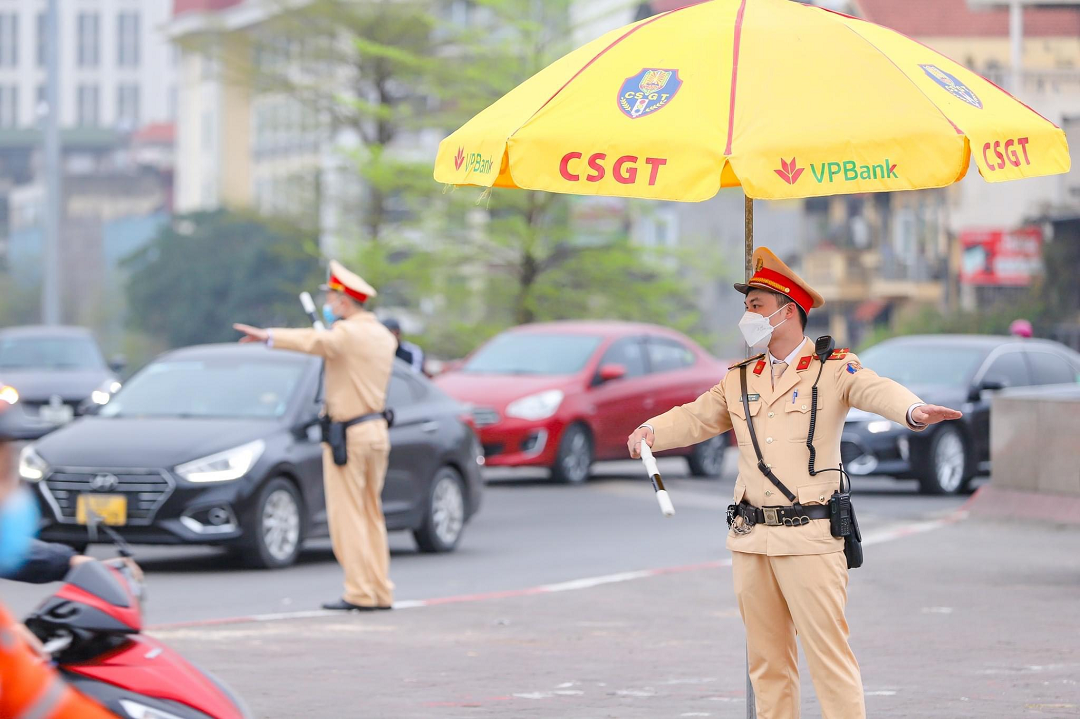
x=818 y=493
x=797 y=416
x=742 y=432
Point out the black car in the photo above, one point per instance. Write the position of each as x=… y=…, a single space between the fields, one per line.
x=218 y=445
x=59 y=374
x=958 y=371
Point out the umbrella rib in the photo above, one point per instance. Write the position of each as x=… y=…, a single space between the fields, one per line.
x=892 y=62
x=734 y=75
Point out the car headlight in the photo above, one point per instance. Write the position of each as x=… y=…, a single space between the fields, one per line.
x=536 y=406
x=224 y=466
x=32 y=467
x=879 y=425
x=104 y=393
x=9 y=394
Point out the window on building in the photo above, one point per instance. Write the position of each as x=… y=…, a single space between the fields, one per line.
x=9 y=105
x=127 y=106
x=9 y=39
x=88 y=105
x=42 y=40
x=89 y=29
x=127 y=39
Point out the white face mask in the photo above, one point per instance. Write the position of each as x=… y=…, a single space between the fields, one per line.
x=756 y=330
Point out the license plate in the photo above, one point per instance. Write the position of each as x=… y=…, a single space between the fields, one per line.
x=61 y=414
x=111 y=508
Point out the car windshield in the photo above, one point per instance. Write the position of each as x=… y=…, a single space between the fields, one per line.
x=50 y=353
x=208 y=388
x=529 y=353
x=923 y=364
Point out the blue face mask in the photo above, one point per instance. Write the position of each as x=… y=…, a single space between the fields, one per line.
x=328 y=315
x=18 y=525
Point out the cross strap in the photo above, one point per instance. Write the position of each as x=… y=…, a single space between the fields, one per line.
x=765 y=469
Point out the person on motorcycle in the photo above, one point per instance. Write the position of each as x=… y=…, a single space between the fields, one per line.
x=29 y=685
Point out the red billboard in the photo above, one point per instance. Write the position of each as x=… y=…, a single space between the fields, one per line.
x=1001 y=257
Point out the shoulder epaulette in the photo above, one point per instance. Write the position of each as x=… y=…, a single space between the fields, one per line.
x=747 y=361
x=839 y=354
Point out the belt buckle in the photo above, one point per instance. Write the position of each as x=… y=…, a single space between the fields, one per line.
x=771 y=520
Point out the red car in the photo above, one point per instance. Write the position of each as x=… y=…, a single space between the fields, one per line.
x=565 y=394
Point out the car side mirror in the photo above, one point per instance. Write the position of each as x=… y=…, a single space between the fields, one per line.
x=118 y=364
x=611 y=372
x=989 y=385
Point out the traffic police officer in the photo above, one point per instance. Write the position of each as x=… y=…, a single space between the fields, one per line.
x=359 y=355
x=789 y=578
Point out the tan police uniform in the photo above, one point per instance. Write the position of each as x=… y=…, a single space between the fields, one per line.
x=790 y=579
x=359 y=355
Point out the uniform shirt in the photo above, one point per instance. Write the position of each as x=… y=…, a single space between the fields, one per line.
x=359 y=354
x=781 y=417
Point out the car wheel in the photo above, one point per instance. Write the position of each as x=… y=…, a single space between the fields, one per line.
x=275 y=531
x=946 y=463
x=575 y=456
x=444 y=516
x=706 y=459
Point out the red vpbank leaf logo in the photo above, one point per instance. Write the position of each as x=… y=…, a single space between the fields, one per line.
x=789 y=172
x=459 y=158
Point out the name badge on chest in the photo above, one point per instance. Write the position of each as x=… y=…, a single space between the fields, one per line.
x=753 y=398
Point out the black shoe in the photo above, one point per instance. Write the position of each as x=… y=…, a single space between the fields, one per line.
x=342 y=606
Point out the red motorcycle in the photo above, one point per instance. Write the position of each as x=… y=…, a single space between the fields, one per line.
x=92 y=629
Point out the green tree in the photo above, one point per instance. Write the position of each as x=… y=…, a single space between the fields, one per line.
x=209 y=270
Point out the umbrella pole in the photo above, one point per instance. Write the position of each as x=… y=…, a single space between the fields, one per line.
x=748 y=253
x=748 y=237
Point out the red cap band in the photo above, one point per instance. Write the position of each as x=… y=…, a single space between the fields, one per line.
x=771 y=280
x=335 y=284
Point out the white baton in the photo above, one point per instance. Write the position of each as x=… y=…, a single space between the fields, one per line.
x=309 y=308
x=662 y=497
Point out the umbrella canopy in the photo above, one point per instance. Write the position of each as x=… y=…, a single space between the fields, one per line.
x=783 y=99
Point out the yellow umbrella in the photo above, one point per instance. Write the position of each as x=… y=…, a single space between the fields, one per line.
x=784 y=99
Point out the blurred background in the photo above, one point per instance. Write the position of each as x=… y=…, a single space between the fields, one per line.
x=213 y=153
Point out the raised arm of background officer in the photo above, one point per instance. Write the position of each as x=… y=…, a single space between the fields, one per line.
x=325 y=343
x=867 y=390
x=705 y=417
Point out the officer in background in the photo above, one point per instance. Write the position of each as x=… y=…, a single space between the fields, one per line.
x=359 y=355
x=407 y=352
x=790 y=577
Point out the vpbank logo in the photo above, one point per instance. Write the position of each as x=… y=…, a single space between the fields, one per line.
x=789 y=172
x=473 y=162
x=846 y=171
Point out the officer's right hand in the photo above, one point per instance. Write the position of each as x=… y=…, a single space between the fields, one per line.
x=633 y=443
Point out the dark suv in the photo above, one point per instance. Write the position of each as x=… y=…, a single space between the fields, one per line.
x=958 y=371
x=218 y=445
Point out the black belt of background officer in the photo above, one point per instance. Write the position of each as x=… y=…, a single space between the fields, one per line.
x=783 y=515
x=385 y=414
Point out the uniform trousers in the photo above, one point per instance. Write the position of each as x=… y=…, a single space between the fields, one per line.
x=357 y=526
x=780 y=597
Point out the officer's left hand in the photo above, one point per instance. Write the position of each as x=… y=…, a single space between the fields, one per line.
x=251 y=334
x=932 y=414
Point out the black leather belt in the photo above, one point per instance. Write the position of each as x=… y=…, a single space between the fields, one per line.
x=784 y=515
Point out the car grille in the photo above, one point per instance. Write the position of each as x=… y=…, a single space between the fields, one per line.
x=485 y=416
x=491 y=450
x=849 y=452
x=146 y=491
x=33 y=409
